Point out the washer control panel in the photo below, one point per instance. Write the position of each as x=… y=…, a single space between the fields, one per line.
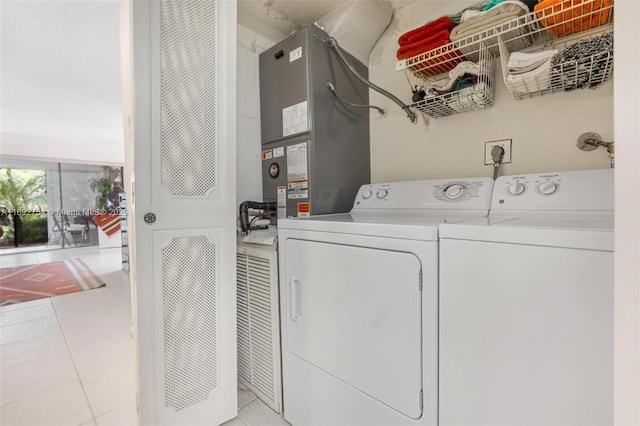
x=520 y=187
x=474 y=193
x=579 y=190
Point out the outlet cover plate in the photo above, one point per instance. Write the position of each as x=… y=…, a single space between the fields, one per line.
x=488 y=146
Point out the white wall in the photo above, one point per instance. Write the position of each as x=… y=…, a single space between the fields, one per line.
x=248 y=149
x=627 y=290
x=61 y=92
x=544 y=129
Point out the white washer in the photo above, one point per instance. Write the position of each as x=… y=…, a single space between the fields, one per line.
x=359 y=298
x=526 y=305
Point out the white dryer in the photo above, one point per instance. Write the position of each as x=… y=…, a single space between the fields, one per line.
x=526 y=305
x=359 y=298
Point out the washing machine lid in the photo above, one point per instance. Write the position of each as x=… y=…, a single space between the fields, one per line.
x=589 y=233
x=403 y=225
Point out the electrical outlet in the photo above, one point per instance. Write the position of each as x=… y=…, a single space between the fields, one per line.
x=488 y=146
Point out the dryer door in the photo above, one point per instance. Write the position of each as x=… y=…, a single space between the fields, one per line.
x=355 y=313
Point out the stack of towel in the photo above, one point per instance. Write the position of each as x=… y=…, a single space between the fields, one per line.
x=464 y=88
x=428 y=37
x=474 y=21
x=465 y=74
x=586 y=63
x=529 y=72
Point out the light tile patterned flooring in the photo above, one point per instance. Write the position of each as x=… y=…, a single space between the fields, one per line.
x=70 y=360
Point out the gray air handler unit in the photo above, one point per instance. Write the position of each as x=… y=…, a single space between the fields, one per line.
x=315 y=147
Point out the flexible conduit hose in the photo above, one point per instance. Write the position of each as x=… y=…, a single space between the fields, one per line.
x=334 y=44
x=244 y=212
x=342 y=100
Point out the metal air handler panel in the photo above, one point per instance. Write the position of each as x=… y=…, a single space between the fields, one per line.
x=315 y=150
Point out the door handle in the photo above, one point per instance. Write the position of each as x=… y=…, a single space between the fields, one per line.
x=296 y=298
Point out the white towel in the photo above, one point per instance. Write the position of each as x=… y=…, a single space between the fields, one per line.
x=526 y=83
x=470 y=98
x=500 y=13
x=520 y=62
x=465 y=67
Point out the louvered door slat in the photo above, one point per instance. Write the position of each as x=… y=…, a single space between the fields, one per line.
x=258 y=326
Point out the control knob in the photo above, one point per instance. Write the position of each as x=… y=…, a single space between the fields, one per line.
x=516 y=188
x=454 y=191
x=381 y=193
x=547 y=188
x=366 y=194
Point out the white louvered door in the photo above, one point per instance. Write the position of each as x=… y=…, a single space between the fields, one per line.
x=183 y=209
x=258 y=323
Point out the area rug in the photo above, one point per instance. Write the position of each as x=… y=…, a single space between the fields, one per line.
x=31 y=282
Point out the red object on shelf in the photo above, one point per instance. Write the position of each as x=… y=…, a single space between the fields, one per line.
x=445 y=23
x=429 y=37
x=108 y=222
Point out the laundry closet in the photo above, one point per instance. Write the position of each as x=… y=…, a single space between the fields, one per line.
x=542 y=129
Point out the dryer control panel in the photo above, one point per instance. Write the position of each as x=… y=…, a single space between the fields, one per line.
x=587 y=190
x=472 y=193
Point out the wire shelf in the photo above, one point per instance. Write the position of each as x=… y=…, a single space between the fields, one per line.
x=587 y=71
x=478 y=96
x=544 y=26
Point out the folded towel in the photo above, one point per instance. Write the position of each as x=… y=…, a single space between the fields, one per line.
x=426 y=31
x=457 y=18
x=471 y=98
x=491 y=4
x=465 y=68
x=520 y=62
x=470 y=14
x=499 y=14
x=533 y=81
x=578 y=15
x=427 y=43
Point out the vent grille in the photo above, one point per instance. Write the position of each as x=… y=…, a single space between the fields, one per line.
x=257 y=329
x=244 y=342
x=189 y=291
x=188 y=97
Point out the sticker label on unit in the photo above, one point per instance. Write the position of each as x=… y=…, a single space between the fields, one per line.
x=282 y=202
x=295 y=192
x=297 y=171
x=267 y=155
x=294 y=119
x=297 y=162
x=304 y=209
x=278 y=152
x=295 y=54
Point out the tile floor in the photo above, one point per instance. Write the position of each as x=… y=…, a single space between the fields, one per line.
x=70 y=360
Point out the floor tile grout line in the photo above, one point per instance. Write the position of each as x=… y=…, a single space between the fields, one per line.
x=50 y=300
x=84 y=391
x=116 y=408
x=38 y=393
x=117 y=301
x=49 y=354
